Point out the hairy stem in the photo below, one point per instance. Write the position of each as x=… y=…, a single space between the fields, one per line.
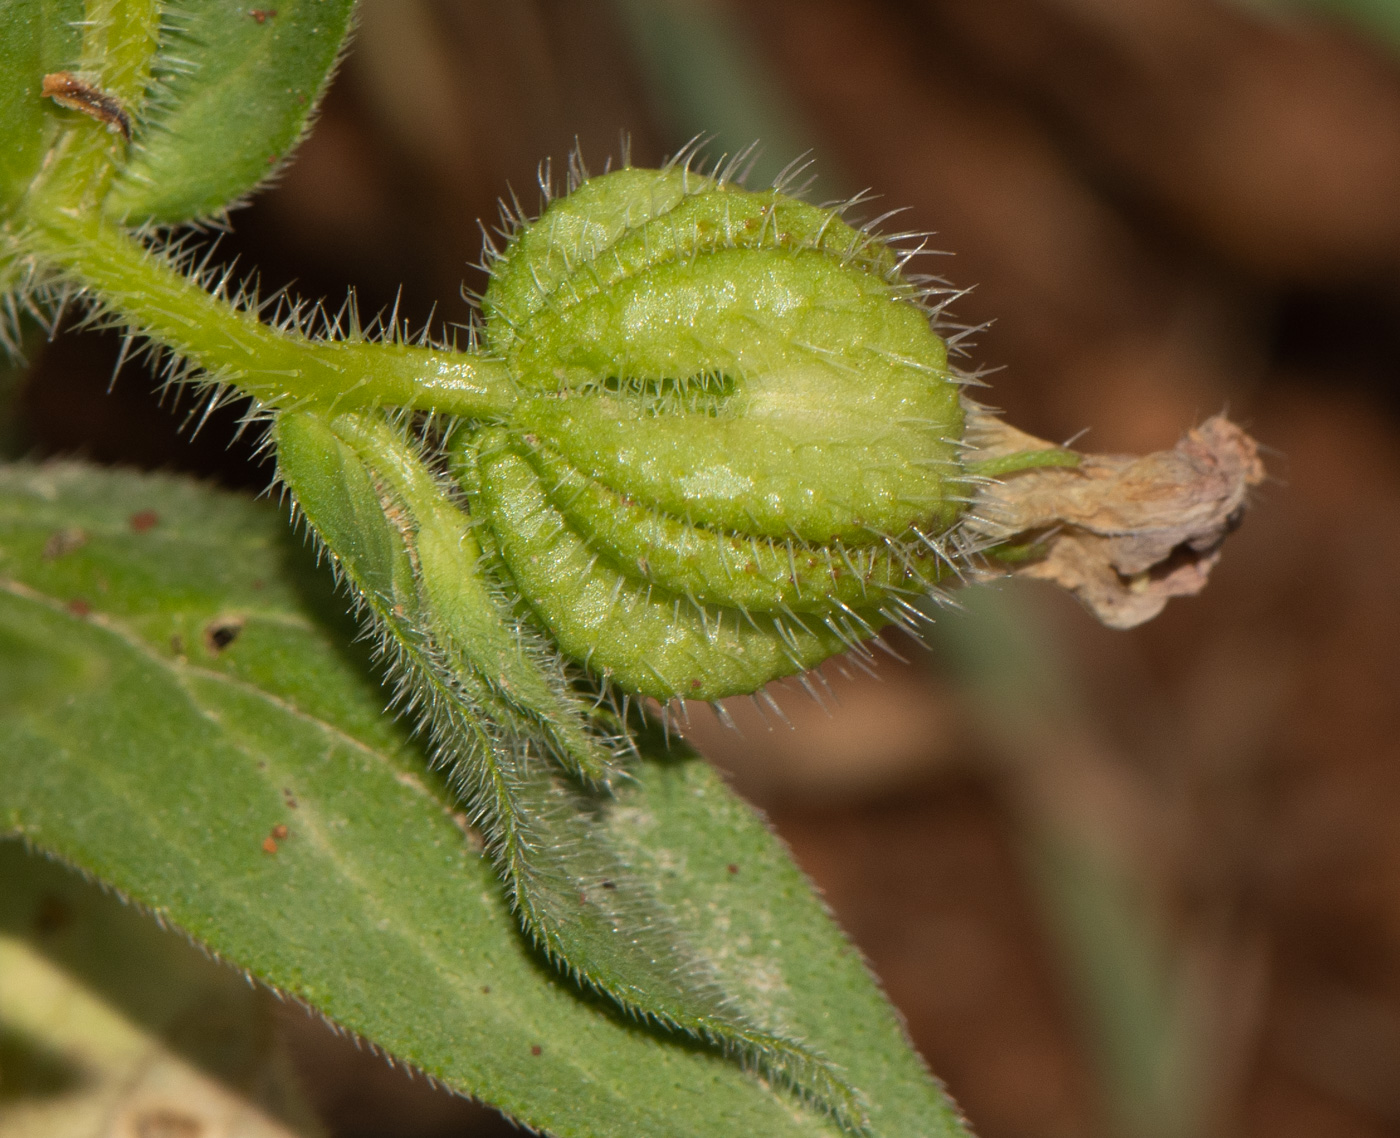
x=119 y=39
x=280 y=368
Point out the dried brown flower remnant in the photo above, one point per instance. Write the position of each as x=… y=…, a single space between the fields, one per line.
x=1124 y=534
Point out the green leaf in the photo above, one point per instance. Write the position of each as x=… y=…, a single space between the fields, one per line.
x=500 y=704
x=175 y=685
x=234 y=88
x=36 y=37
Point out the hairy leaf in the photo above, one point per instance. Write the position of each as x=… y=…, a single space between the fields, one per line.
x=492 y=698
x=175 y=690
x=233 y=90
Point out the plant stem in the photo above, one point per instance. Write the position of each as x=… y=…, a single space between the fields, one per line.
x=119 y=39
x=146 y=290
x=279 y=368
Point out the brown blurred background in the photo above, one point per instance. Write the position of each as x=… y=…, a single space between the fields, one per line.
x=1139 y=884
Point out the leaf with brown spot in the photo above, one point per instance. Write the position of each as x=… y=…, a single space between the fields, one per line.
x=163 y=776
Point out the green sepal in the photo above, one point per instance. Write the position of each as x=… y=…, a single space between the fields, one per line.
x=740 y=360
x=467 y=616
x=833 y=420
x=754 y=573
x=637 y=635
x=368 y=537
x=633 y=219
x=1017 y=461
x=234 y=88
x=336 y=492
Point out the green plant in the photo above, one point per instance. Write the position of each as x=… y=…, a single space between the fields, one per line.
x=709 y=440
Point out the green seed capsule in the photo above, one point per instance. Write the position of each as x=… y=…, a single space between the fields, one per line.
x=736 y=437
x=718 y=568
x=645 y=639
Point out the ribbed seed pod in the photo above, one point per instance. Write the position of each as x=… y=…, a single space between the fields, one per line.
x=736 y=438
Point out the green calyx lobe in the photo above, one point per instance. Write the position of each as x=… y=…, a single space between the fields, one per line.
x=735 y=442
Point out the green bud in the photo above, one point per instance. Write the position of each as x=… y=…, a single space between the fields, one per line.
x=736 y=439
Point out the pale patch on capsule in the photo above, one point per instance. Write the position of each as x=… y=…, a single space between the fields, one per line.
x=716 y=481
